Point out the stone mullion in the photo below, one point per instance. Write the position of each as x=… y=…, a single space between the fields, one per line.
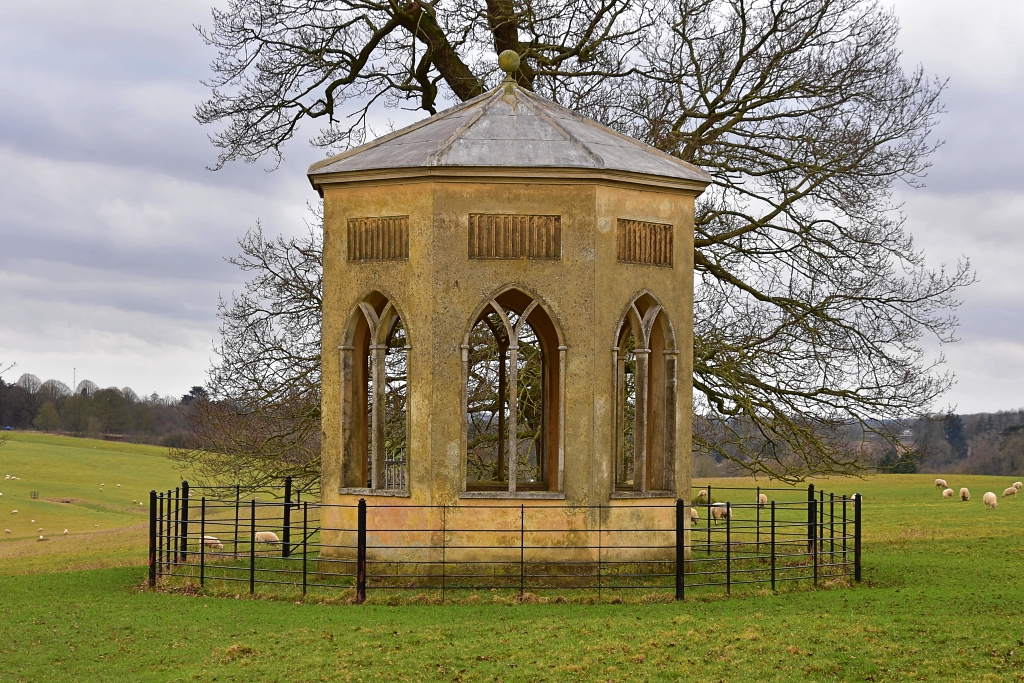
x=377 y=414
x=513 y=413
x=619 y=362
x=640 y=421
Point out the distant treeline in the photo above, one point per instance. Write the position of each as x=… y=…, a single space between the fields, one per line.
x=983 y=443
x=111 y=413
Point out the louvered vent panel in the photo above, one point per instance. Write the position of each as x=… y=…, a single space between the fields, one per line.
x=645 y=243
x=504 y=236
x=384 y=238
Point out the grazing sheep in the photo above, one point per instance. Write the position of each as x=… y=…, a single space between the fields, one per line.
x=118 y=486
x=41 y=537
x=1012 y=491
x=694 y=517
x=95 y=525
x=941 y=484
x=720 y=511
x=65 y=532
x=267 y=537
x=948 y=493
x=40 y=529
x=1017 y=485
x=702 y=496
x=762 y=500
x=990 y=500
x=14 y=512
x=213 y=542
x=7 y=531
x=965 y=494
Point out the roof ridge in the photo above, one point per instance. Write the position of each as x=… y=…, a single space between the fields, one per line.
x=598 y=161
x=447 y=113
x=446 y=145
x=642 y=145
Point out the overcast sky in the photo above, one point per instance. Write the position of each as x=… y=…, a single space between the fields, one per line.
x=113 y=233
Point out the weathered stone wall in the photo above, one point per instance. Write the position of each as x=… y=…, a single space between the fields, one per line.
x=439 y=290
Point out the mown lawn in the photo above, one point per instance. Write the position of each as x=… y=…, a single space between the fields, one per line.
x=943 y=600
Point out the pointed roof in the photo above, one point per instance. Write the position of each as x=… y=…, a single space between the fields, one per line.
x=509 y=131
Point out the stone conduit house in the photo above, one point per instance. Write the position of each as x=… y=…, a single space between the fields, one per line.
x=508 y=307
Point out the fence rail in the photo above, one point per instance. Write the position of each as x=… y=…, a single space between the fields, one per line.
x=690 y=547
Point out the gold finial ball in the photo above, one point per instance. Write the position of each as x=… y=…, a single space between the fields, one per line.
x=508 y=61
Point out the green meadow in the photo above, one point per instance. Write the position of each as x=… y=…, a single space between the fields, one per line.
x=942 y=600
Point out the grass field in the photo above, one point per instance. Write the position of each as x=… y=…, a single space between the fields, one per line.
x=105 y=528
x=943 y=600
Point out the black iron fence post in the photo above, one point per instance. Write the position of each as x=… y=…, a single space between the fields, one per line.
x=773 y=546
x=680 y=548
x=305 y=542
x=183 y=555
x=728 y=548
x=160 y=547
x=361 y=552
x=846 y=556
x=832 y=530
x=175 y=539
x=811 y=518
x=252 y=547
x=856 y=536
x=286 y=547
x=238 y=505
x=821 y=522
x=600 y=548
x=758 y=501
x=202 y=541
x=707 y=513
x=444 y=532
x=814 y=540
x=152 y=539
x=522 y=550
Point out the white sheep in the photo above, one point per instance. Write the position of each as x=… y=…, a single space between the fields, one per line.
x=948 y=493
x=65 y=532
x=990 y=500
x=694 y=517
x=7 y=531
x=14 y=512
x=118 y=486
x=702 y=496
x=1017 y=485
x=941 y=484
x=213 y=542
x=40 y=529
x=267 y=537
x=762 y=500
x=965 y=494
x=1012 y=491
x=720 y=511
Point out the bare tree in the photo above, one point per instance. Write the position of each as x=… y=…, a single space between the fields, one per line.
x=811 y=298
x=261 y=418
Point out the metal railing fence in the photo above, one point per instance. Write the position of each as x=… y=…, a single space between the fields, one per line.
x=689 y=547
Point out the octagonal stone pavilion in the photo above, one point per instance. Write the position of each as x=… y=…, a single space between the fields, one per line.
x=507 y=318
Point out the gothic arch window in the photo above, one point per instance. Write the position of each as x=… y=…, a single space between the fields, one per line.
x=513 y=370
x=645 y=388
x=375 y=362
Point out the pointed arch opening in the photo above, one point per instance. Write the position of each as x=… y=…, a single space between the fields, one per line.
x=375 y=365
x=644 y=359
x=513 y=370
